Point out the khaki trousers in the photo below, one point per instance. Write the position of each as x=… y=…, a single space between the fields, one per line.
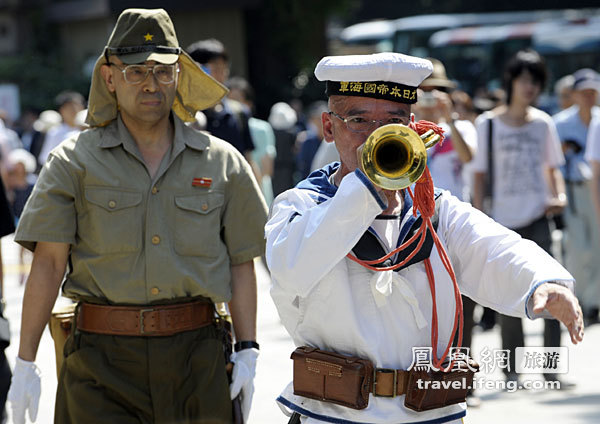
x=119 y=379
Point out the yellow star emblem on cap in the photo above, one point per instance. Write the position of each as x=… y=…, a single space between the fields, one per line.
x=148 y=36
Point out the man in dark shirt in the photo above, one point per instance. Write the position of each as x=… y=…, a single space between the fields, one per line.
x=228 y=120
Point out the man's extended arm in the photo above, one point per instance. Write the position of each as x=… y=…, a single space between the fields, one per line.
x=562 y=304
x=47 y=272
x=499 y=269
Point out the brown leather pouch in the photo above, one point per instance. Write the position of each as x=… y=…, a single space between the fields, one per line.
x=60 y=324
x=428 y=389
x=331 y=377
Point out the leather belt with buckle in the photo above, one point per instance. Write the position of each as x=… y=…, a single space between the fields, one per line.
x=159 y=320
x=389 y=382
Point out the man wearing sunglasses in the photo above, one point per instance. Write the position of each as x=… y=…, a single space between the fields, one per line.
x=157 y=222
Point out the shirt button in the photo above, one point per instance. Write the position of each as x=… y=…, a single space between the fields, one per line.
x=155 y=239
x=204 y=206
x=154 y=190
x=112 y=204
x=154 y=290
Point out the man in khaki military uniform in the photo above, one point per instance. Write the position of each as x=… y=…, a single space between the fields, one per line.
x=156 y=221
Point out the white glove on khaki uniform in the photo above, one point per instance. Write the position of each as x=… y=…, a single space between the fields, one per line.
x=25 y=390
x=242 y=378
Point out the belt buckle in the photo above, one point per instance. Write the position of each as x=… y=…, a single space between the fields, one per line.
x=142 y=312
x=387 y=371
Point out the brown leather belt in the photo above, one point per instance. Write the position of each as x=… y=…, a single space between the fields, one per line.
x=389 y=382
x=159 y=320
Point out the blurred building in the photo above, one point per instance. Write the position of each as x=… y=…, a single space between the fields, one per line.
x=8 y=27
x=78 y=29
x=475 y=46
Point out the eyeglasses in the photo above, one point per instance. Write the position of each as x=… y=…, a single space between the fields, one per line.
x=358 y=124
x=136 y=74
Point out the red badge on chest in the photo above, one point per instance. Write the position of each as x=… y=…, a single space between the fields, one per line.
x=202 y=182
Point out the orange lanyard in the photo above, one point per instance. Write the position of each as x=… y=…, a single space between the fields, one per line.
x=423 y=201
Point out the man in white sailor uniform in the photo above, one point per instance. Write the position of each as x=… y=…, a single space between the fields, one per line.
x=332 y=303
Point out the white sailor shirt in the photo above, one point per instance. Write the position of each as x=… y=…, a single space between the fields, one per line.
x=327 y=301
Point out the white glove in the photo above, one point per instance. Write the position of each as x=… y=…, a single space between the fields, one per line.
x=25 y=390
x=242 y=378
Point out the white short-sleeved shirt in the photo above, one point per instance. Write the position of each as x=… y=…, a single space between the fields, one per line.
x=520 y=157
x=592 y=149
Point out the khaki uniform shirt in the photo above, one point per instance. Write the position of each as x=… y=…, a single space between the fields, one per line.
x=138 y=240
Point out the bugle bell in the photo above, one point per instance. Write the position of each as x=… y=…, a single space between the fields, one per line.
x=394 y=156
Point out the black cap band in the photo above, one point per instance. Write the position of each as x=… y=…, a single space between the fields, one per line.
x=118 y=51
x=376 y=89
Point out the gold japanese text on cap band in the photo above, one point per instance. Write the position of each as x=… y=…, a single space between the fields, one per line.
x=376 y=89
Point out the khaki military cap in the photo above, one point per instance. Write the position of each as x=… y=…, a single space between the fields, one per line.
x=144 y=34
x=148 y=34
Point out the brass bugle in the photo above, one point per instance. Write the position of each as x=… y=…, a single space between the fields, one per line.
x=394 y=156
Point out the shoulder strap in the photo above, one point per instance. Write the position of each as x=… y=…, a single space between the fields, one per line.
x=490 y=173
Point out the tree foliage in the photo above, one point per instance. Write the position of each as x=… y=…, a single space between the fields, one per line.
x=40 y=71
x=285 y=39
x=40 y=78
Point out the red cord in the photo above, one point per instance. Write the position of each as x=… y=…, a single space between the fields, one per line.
x=422 y=126
x=367 y=264
x=424 y=202
x=396 y=250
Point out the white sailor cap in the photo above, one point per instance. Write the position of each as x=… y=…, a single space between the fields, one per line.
x=388 y=76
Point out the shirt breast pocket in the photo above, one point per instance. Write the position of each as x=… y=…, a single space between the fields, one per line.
x=198 y=224
x=114 y=222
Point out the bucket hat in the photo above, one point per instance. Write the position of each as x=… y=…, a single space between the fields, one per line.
x=148 y=34
x=438 y=77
